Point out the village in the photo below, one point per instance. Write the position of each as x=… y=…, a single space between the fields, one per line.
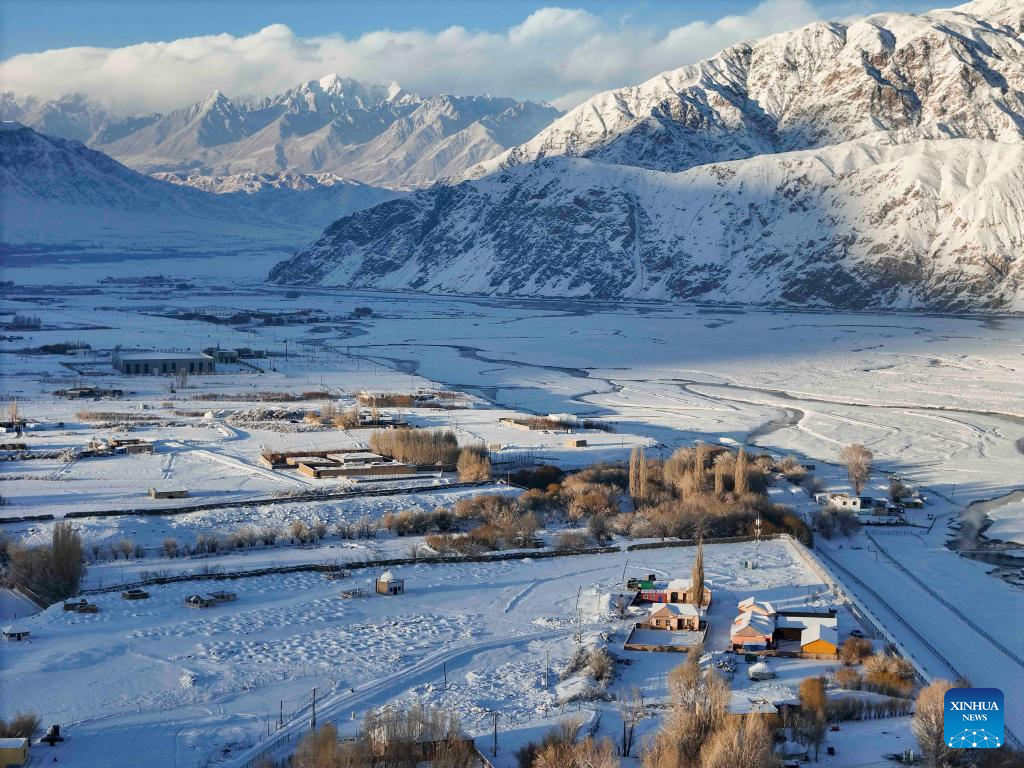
x=279 y=539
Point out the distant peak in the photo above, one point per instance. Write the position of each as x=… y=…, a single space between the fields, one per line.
x=334 y=83
x=394 y=91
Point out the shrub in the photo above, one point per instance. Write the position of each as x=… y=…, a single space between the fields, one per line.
x=540 y=478
x=846 y=677
x=573 y=540
x=22 y=726
x=207 y=542
x=560 y=738
x=855 y=650
x=269 y=536
x=53 y=571
x=298 y=530
x=170 y=547
x=600 y=663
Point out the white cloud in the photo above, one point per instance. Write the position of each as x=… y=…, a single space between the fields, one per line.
x=558 y=54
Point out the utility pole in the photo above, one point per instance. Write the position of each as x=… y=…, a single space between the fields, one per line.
x=280 y=715
x=547 y=664
x=312 y=720
x=494 y=750
x=444 y=667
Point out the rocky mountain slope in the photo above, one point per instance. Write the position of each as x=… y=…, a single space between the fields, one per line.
x=379 y=135
x=945 y=74
x=875 y=164
x=57 y=191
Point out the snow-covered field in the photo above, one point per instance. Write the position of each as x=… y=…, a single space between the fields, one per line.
x=938 y=400
x=180 y=683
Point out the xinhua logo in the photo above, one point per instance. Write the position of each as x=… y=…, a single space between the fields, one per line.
x=973 y=718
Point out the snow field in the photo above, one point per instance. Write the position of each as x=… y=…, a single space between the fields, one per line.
x=294 y=631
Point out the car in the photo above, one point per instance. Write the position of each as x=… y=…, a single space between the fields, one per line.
x=857 y=633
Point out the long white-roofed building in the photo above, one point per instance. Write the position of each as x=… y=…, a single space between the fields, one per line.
x=162 y=363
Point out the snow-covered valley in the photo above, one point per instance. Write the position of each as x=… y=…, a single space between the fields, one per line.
x=935 y=398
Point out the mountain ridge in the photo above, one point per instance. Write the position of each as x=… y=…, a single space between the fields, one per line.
x=879 y=166
x=375 y=134
x=58 y=191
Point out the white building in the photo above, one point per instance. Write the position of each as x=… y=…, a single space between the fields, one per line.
x=162 y=363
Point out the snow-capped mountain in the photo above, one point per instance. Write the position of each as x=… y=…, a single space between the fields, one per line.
x=375 y=134
x=57 y=191
x=71 y=117
x=874 y=164
x=955 y=73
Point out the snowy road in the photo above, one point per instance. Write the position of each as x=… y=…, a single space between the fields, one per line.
x=895 y=592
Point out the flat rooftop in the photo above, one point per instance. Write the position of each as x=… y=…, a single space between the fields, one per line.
x=165 y=356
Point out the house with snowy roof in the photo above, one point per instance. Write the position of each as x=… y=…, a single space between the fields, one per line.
x=752 y=631
x=675 y=591
x=819 y=638
x=761 y=625
x=675 y=616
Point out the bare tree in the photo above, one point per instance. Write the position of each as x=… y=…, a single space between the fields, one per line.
x=857 y=459
x=927 y=724
x=724 y=464
x=741 y=482
x=741 y=741
x=127 y=547
x=474 y=464
x=696 y=596
x=638 y=477
x=66 y=544
x=897 y=489
x=813 y=712
x=697 y=710
x=631 y=709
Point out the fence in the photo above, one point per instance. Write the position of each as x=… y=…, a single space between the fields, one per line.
x=184 y=510
x=325 y=568
x=853 y=600
x=952 y=608
x=693 y=542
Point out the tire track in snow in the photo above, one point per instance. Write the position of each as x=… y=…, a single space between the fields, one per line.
x=334 y=706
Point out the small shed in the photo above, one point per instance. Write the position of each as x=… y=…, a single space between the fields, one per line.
x=222 y=596
x=13 y=632
x=575 y=442
x=135 y=594
x=197 y=601
x=389 y=584
x=760 y=671
x=168 y=493
x=13 y=751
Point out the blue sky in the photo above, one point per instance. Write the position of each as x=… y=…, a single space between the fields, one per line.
x=38 y=25
x=153 y=55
